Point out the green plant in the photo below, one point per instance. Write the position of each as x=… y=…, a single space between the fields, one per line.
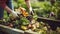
x=24 y=21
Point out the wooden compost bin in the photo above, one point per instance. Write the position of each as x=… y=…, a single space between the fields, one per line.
x=14 y=31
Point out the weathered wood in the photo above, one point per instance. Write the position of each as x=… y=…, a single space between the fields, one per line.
x=14 y=31
x=11 y=30
x=52 y=23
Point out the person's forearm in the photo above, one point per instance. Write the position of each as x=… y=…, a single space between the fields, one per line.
x=8 y=9
x=28 y=3
x=29 y=7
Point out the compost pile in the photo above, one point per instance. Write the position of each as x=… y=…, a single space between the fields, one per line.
x=25 y=22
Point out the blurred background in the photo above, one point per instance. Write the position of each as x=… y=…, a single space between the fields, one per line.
x=42 y=8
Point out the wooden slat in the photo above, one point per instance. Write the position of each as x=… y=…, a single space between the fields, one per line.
x=11 y=30
x=52 y=23
x=14 y=31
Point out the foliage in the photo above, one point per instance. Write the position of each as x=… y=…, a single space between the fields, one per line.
x=43 y=8
x=58 y=10
x=19 y=3
x=24 y=21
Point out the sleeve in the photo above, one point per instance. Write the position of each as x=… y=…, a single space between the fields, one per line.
x=2 y=3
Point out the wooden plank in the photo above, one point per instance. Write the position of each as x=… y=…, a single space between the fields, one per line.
x=15 y=31
x=11 y=30
x=42 y=18
x=52 y=23
x=48 y=20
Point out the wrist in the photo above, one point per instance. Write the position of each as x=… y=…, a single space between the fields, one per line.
x=12 y=11
x=30 y=9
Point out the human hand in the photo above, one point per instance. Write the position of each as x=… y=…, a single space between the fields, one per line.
x=31 y=11
x=14 y=14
